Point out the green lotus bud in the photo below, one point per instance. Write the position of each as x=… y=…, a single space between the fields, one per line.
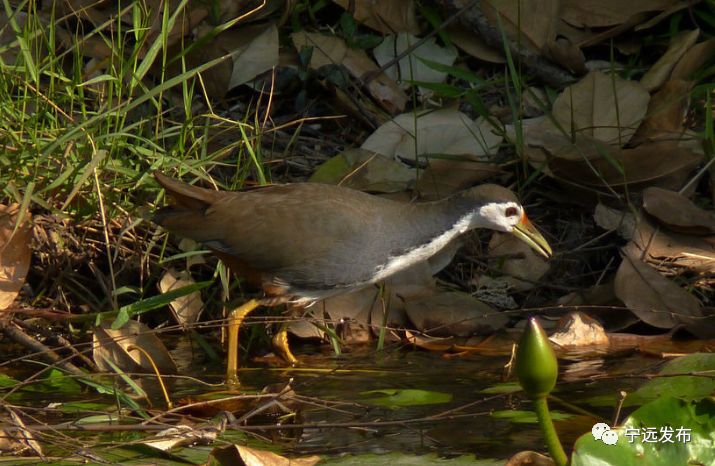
x=536 y=364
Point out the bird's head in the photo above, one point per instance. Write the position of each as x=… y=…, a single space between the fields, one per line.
x=497 y=208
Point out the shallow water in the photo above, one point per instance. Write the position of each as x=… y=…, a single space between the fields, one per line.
x=473 y=422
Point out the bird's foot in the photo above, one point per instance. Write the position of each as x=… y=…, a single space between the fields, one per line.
x=235 y=319
x=281 y=346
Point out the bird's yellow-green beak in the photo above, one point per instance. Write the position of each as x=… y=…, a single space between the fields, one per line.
x=528 y=233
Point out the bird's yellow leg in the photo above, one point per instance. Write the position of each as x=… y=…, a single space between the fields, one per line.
x=235 y=319
x=281 y=346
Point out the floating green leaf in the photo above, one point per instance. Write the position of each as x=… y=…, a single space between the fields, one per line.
x=397 y=398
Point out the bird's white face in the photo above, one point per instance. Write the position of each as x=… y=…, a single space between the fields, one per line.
x=509 y=217
x=499 y=216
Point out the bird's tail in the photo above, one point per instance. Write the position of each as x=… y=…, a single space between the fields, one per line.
x=186 y=214
x=186 y=195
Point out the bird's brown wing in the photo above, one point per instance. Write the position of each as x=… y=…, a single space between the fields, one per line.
x=306 y=235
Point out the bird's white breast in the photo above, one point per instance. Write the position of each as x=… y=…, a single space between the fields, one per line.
x=423 y=252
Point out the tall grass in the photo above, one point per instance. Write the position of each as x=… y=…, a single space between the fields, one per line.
x=91 y=103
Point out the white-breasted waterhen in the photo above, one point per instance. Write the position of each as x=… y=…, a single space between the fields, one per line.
x=307 y=241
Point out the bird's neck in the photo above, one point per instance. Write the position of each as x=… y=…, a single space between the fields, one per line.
x=426 y=229
x=453 y=214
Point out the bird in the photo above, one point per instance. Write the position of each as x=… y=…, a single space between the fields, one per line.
x=304 y=242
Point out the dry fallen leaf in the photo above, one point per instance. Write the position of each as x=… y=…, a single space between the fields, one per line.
x=531 y=22
x=454 y=313
x=529 y=458
x=473 y=44
x=600 y=302
x=444 y=177
x=622 y=221
x=360 y=314
x=661 y=70
x=605 y=107
x=238 y=455
x=439 y=132
x=567 y=54
x=182 y=435
x=666 y=113
x=658 y=163
x=412 y=67
x=186 y=309
x=117 y=346
x=522 y=272
x=332 y=50
x=694 y=59
x=327 y=49
x=578 y=329
x=649 y=295
x=674 y=250
x=385 y=16
x=15 y=252
x=254 y=50
x=365 y=171
x=677 y=212
x=600 y=13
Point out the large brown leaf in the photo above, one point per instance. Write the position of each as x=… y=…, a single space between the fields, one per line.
x=675 y=250
x=652 y=297
x=186 y=309
x=332 y=50
x=599 y=13
x=660 y=163
x=119 y=347
x=523 y=267
x=605 y=107
x=454 y=313
x=661 y=70
x=531 y=22
x=15 y=252
x=666 y=113
x=694 y=59
x=677 y=212
x=385 y=16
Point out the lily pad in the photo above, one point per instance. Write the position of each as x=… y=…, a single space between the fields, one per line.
x=399 y=397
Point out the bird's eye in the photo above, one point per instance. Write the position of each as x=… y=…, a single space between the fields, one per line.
x=511 y=211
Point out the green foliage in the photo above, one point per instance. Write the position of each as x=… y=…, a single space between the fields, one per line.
x=664 y=414
x=399 y=398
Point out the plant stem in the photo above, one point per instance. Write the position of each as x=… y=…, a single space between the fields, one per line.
x=547 y=429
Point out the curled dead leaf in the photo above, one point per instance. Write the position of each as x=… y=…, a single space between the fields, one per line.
x=238 y=455
x=621 y=221
x=674 y=250
x=520 y=263
x=473 y=44
x=186 y=309
x=649 y=295
x=332 y=50
x=660 y=163
x=578 y=329
x=677 y=212
x=600 y=13
x=385 y=16
x=444 y=131
x=531 y=22
x=454 y=313
x=15 y=252
x=445 y=176
x=414 y=66
x=661 y=70
x=365 y=171
x=666 y=113
x=605 y=107
x=694 y=59
x=118 y=346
